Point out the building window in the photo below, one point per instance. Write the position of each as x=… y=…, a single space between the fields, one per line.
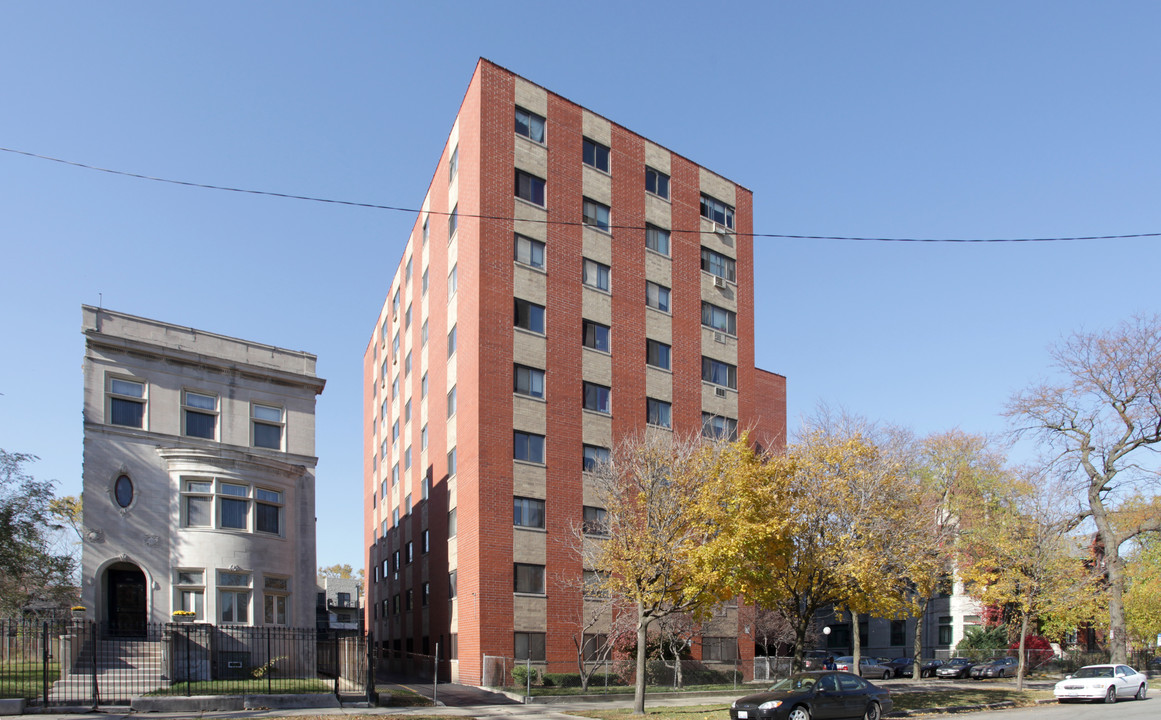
x=657 y=296
x=425 y=271
x=718 y=265
x=423 y=438
x=594 y=456
x=530 y=188
x=898 y=632
x=407 y=364
x=426 y=542
x=719 y=318
x=530 y=125
x=423 y=334
x=126 y=403
x=451 y=525
x=529 y=252
x=657 y=412
x=275 y=600
x=596 y=335
x=529 y=381
x=595 y=214
x=595 y=274
x=123 y=491
x=410 y=554
x=529 y=579
x=266 y=424
x=395 y=522
x=190 y=590
x=592 y=649
x=452 y=281
x=528 y=447
x=656 y=182
x=595 y=521
x=529 y=316
x=657 y=354
x=408 y=601
x=529 y=645
x=717 y=211
x=407 y=458
x=423 y=386
x=597 y=398
x=528 y=512
x=407 y=314
x=407 y=273
x=200 y=414
x=233 y=597
x=657 y=239
x=453 y=164
x=451 y=341
x=719 y=373
x=394 y=434
x=595 y=155
x=425 y=230
x=425 y=595
x=234 y=506
x=719 y=649
x=451 y=402
x=197 y=499
x=453 y=221
x=451 y=462
x=718 y=427
x=395 y=387
x=945 y=630
x=268 y=511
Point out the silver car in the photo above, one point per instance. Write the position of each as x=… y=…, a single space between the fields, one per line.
x=868 y=667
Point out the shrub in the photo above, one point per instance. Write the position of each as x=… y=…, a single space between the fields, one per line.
x=520 y=675
x=1037 y=651
x=562 y=680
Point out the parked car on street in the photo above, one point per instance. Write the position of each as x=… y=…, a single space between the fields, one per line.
x=815 y=695
x=1102 y=682
x=868 y=667
x=814 y=659
x=997 y=668
x=928 y=667
x=901 y=666
x=954 y=668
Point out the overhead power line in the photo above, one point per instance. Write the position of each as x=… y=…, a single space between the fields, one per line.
x=395 y=208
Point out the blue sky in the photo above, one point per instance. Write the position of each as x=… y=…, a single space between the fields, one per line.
x=889 y=119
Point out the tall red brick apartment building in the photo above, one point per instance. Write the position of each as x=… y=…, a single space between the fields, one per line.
x=568 y=283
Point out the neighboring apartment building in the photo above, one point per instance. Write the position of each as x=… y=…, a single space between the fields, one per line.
x=340 y=603
x=567 y=284
x=199 y=483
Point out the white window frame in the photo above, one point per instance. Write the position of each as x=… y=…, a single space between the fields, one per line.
x=113 y=393
x=256 y=420
x=187 y=408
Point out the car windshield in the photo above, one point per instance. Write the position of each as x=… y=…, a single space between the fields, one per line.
x=960 y=661
x=1097 y=672
x=795 y=682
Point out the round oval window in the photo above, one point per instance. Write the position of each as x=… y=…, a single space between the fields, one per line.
x=123 y=491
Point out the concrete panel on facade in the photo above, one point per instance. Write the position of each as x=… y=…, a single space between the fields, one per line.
x=531 y=97
x=529 y=348
x=531 y=157
x=659 y=383
x=598 y=246
x=713 y=402
x=657 y=157
x=599 y=186
x=526 y=211
x=719 y=345
x=718 y=187
x=529 y=283
x=529 y=480
x=658 y=326
x=596 y=127
x=528 y=546
x=596 y=429
x=529 y=614
x=658 y=212
x=598 y=306
x=529 y=414
x=725 y=297
x=597 y=366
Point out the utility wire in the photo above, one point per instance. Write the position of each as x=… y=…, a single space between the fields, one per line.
x=376 y=206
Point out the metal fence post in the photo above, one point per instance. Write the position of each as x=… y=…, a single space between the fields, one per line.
x=93 y=650
x=188 y=669
x=368 y=640
x=44 y=667
x=435 y=677
x=338 y=664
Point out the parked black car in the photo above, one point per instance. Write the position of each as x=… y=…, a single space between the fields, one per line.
x=928 y=668
x=815 y=659
x=955 y=668
x=901 y=666
x=998 y=668
x=815 y=694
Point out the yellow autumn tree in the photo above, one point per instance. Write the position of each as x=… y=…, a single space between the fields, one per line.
x=1142 y=609
x=654 y=490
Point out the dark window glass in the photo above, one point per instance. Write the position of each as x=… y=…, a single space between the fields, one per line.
x=529 y=381
x=657 y=182
x=657 y=412
x=266 y=519
x=657 y=239
x=657 y=296
x=267 y=436
x=529 y=645
x=126 y=412
x=595 y=274
x=596 y=521
x=529 y=578
x=657 y=354
x=597 y=398
x=594 y=457
x=719 y=318
x=596 y=155
x=717 y=211
x=529 y=316
x=530 y=188
x=719 y=373
x=529 y=251
x=717 y=264
x=528 y=447
x=528 y=512
x=596 y=336
x=123 y=491
x=595 y=214
x=718 y=427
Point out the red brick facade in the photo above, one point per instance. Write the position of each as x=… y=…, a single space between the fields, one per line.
x=486 y=612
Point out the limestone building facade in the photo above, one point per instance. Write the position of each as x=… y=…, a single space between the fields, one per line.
x=199 y=476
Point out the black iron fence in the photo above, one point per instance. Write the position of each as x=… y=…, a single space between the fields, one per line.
x=84 y=663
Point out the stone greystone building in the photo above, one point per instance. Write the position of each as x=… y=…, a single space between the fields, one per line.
x=199 y=477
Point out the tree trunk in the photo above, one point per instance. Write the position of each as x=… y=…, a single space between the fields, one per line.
x=1118 y=647
x=642 y=632
x=856 y=643
x=677 y=666
x=801 y=626
x=1023 y=636
x=917 y=645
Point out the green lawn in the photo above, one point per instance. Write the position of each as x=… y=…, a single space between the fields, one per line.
x=400 y=697
x=25 y=679
x=247 y=687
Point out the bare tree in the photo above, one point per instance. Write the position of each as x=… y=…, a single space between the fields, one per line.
x=675 y=635
x=1101 y=422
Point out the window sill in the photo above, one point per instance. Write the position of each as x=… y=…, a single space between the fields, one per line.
x=598 y=413
x=607 y=353
x=663 y=198
x=659 y=311
x=530 y=595
x=597 y=228
x=529 y=463
x=533 y=398
x=541 y=531
x=594 y=168
x=596 y=289
x=727 y=388
x=534 y=268
x=658 y=253
x=526 y=331
x=658 y=368
x=731 y=283
x=531 y=204
x=530 y=141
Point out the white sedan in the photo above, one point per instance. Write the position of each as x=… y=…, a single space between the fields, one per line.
x=1102 y=682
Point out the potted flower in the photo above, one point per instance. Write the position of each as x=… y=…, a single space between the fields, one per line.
x=78 y=612
x=183 y=616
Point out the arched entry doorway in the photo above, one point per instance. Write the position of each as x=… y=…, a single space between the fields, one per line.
x=126 y=600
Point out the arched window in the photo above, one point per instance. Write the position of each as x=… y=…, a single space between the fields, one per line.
x=123 y=491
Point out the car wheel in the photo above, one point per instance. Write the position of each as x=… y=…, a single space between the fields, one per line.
x=1141 y=692
x=798 y=713
x=887 y=675
x=873 y=712
x=1111 y=694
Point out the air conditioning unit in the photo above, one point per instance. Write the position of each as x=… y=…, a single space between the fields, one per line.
x=720 y=392
x=719 y=338
x=719 y=282
x=721 y=229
